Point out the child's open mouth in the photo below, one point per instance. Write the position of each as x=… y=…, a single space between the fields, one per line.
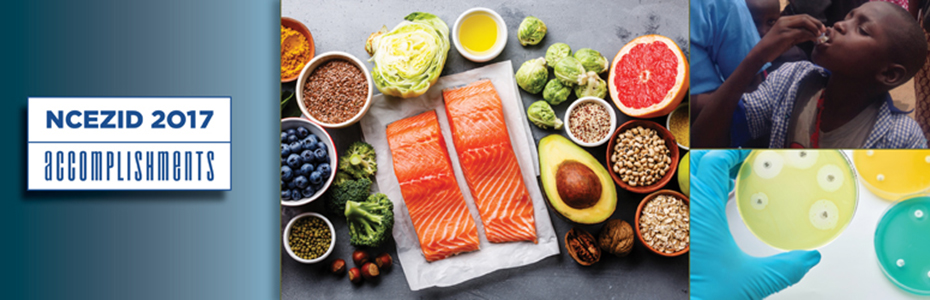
x=824 y=37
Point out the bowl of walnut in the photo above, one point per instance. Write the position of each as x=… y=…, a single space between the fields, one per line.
x=642 y=156
x=663 y=223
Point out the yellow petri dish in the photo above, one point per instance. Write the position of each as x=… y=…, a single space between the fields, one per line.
x=796 y=199
x=893 y=174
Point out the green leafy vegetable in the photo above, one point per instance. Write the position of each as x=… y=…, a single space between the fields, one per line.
x=359 y=160
x=592 y=85
x=347 y=189
x=569 y=70
x=592 y=60
x=556 y=92
x=541 y=114
x=370 y=221
x=532 y=30
x=532 y=75
x=557 y=52
x=409 y=58
x=289 y=108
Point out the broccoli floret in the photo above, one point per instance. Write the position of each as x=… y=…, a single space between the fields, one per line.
x=359 y=160
x=341 y=177
x=370 y=221
x=345 y=190
x=541 y=114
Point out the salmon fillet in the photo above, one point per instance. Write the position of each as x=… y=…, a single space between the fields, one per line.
x=436 y=205
x=476 y=118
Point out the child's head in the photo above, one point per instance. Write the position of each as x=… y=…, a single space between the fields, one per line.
x=877 y=42
x=764 y=14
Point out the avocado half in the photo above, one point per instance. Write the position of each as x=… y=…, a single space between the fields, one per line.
x=577 y=185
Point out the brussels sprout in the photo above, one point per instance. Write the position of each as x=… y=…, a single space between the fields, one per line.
x=592 y=60
x=532 y=30
x=532 y=75
x=593 y=86
x=569 y=70
x=556 y=92
x=556 y=52
x=541 y=114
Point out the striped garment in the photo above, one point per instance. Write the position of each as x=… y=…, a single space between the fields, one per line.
x=768 y=110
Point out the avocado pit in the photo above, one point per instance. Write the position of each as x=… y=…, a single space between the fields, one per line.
x=577 y=185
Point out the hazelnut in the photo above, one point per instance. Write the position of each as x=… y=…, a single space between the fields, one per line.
x=359 y=257
x=338 y=267
x=384 y=261
x=355 y=276
x=370 y=271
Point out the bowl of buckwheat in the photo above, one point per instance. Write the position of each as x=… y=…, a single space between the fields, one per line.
x=663 y=223
x=642 y=156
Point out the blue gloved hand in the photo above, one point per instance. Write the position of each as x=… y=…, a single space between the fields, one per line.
x=719 y=268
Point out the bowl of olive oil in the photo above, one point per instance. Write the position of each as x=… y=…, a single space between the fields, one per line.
x=479 y=34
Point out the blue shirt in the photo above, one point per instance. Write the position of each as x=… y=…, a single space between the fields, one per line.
x=722 y=33
x=768 y=110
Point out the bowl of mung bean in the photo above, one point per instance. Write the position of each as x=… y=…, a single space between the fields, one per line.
x=334 y=89
x=589 y=121
x=309 y=238
x=642 y=156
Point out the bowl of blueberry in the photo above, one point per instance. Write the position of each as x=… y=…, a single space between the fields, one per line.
x=308 y=161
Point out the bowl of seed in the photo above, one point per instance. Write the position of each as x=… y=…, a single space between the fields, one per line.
x=662 y=223
x=678 y=123
x=334 y=90
x=309 y=238
x=642 y=156
x=589 y=121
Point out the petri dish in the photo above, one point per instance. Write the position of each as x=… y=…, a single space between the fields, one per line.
x=902 y=240
x=796 y=199
x=893 y=174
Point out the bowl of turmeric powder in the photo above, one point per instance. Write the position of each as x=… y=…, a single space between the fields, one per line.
x=296 y=48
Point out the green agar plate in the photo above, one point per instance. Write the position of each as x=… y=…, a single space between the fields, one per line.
x=796 y=199
x=902 y=244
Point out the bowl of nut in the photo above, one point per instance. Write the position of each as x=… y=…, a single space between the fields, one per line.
x=662 y=223
x=642 y=156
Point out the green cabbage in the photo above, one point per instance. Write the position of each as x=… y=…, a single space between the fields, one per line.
x=408 y=59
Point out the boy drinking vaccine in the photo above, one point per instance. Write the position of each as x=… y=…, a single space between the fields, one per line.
x=840 y=100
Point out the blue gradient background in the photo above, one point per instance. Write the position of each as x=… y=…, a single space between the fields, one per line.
x=143 y=245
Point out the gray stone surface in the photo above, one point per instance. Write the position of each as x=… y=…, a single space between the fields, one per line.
x=601 y=25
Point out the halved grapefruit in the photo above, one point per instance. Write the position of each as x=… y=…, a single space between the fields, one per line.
x=648 y=77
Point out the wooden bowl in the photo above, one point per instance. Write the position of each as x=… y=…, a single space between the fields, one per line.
x=639 y=211
x=296 y=25
x=669 y=143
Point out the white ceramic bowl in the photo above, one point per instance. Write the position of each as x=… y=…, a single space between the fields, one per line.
x=498 y=45
x=682 y=108
x=332 y=241
x=316 y=62
x=293 y=123
x=610 y=111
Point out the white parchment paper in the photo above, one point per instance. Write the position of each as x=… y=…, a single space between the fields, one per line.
x=457 y=269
